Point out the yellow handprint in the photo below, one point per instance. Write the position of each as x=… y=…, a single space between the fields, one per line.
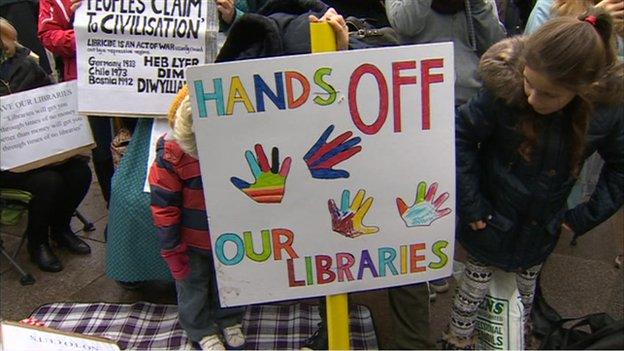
x=348 y=219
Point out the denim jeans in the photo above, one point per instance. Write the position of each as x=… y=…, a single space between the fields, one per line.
x=198 y=299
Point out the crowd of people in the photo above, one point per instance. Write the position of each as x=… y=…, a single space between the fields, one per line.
x=539 y=147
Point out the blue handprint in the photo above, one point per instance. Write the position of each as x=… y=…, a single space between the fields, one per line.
x=424 y=210
x=323 y=156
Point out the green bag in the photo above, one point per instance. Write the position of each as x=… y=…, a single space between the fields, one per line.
x=13 y=204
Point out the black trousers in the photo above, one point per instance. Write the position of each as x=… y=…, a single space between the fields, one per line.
x=102 y=156
x=57 y=191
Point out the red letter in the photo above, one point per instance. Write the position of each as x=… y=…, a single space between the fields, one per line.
x=291 y=274
x=383 y=98
x=323 y=268
x=427 y=79
x=397 y=81
x=414 y=258
x=278 y=246
x=292 y=102
x=344 y=262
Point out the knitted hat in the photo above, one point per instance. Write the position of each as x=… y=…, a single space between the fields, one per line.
x=171 y=115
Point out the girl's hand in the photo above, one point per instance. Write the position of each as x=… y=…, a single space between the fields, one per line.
x=339 y=26
x=227 y=10
x=477 y=225
x=75 y=4
x=614 y=7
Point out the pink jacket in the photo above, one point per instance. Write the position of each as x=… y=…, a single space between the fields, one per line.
x=56 y=32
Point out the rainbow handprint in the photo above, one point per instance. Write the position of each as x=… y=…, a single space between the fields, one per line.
x=424 y=210
x=347 y=220
x=322 y=156
x=270 y=184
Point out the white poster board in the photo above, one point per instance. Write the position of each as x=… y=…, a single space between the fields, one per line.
x=159 y=128
x=131 y=54
x=39 y=124
x=378 y=120
x=22 y=337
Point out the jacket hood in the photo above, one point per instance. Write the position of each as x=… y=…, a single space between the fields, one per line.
x=279 y=28
x=501 y=68
x=251 y=36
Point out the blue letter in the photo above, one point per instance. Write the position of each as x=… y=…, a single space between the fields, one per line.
x=240 y=249
x=262 y=87
x=202 y=97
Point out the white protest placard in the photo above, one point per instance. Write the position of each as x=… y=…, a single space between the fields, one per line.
x=40 y=125
x=21 y=337
x=360 y=190
x=131 y=54
x=159 y=128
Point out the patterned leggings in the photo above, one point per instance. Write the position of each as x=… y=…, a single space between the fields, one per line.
x=472 y=290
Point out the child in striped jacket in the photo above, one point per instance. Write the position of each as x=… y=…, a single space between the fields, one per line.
x=179 y=211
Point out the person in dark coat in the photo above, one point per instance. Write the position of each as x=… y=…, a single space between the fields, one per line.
x=280 y=27
x=56 y=32
x=520 y=144
x=57 y=189
x=22 y=14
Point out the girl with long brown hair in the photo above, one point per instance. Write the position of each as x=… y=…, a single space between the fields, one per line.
x=520 y=144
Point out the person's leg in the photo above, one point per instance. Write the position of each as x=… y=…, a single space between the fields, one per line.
x=229 y=319
x=194 y=303
x=469 y=294
x=409 y=306
x=76 y=182
x=102 y=156
x=527 y=281
x=46 y=186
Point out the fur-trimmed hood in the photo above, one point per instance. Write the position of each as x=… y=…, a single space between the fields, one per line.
x=501 y=71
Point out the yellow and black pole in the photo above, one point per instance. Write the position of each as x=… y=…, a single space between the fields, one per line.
x=323 y=39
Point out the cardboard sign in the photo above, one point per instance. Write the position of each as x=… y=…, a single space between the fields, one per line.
x=132 y=54
x=327 y=173
x=41 y=126
x=19 y=337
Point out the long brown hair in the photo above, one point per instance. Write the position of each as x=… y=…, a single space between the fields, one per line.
x=576 y=54
x=577 y=7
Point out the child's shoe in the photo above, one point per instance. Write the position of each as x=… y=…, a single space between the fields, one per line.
x=211 y=342
x=234 y=337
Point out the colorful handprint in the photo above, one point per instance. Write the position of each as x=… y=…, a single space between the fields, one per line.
x=424 y=210
x=347 y=220
x=270 y=184
x=323 y=155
